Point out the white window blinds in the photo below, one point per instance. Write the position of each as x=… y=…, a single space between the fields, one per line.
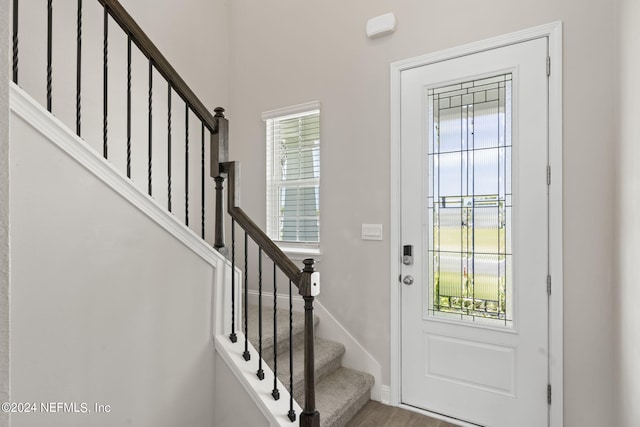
x=293 y=176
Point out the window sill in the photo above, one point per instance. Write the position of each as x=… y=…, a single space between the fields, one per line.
x=300 y=253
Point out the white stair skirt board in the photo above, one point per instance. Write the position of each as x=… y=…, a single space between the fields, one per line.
x=275 y=411
x=25 y=107
x=355 y=357
x=222 y=302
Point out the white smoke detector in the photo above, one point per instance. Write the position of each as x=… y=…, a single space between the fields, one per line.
x=381 y=25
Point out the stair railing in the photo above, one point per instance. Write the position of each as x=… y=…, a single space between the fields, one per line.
x=306 y=279
x=113 y=11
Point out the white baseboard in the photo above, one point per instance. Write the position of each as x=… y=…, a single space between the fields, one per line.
x=355 y=356
x=385 y=394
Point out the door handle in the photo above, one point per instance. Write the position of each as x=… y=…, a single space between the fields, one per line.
x=408 y=280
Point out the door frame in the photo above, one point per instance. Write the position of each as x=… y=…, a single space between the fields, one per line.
x=553 y=32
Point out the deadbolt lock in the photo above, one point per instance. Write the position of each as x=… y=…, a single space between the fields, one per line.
x=407 y=254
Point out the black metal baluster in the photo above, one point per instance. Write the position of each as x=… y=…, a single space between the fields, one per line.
x=15 y=41
x=105 y=52
x=186 y=164
x=78 y=65
x=233 y=337
x=246 y=355
x=169 y=147
x=218 y=238
x=275 y=392
x=292 y=413
x=150 y=152
x=260 y=372
x=49 y=53
x=129 y=105
x=202 y=174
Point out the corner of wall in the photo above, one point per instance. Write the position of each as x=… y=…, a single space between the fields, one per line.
x=5 y=385
x=625 y=211
x=618 y=264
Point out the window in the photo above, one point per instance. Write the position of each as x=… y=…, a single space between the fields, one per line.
x=470 y=200
x=293 y=176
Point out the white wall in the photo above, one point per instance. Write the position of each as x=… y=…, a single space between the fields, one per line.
x=193 y=36
x=106 y=307
x=233 y=405
x=5 y=276
x=287 y=52
x=626 y=214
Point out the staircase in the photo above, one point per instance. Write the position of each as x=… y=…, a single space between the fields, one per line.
x=340 y=392
x=333 y=393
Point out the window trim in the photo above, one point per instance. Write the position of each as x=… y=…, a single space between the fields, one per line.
x=282 y=113
x=296 y=250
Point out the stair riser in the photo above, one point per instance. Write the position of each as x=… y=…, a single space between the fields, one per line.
x=282 y=334
x=283 y=346
x=320 y=374
x=322 y=369
x=341 y=395
x=346 y=416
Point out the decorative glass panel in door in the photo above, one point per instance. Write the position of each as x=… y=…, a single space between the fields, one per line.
x=469 y=201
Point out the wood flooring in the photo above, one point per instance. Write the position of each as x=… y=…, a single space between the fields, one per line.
x=375 y=414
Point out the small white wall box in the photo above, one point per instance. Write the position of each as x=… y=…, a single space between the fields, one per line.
x=381 y=25
x=371 y=231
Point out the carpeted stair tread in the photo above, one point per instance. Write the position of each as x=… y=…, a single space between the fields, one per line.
x=282 y=330
x=328 y=358
x=341 y=395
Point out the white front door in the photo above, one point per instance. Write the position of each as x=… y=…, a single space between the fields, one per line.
x=474 y=224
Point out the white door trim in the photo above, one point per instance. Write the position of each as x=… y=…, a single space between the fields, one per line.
x=554 y=33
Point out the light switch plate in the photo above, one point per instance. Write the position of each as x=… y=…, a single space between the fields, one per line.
x=371 y=231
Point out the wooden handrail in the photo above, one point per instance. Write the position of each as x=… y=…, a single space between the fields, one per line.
x=284 y=263
x=146 y=46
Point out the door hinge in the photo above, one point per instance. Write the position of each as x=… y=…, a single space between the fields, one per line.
x=548 y=66
x=549 y=394
x=549 y=284
x=548 y=175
